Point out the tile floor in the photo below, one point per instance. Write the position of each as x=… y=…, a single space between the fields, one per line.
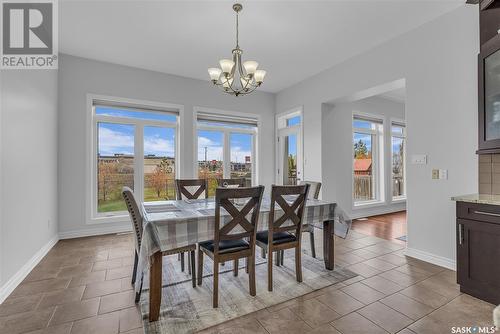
x=83 y=286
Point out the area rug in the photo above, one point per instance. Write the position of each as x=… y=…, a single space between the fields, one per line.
x=185 y=309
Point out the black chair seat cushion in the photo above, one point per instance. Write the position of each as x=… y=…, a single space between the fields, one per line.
x=226 y=246
x=278 y=237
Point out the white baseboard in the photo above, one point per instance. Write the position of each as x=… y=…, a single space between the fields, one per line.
x=431 y=258
x=99 y=230
x=21 y=274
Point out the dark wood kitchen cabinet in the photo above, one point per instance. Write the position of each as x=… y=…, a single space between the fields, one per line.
x=489 y=77
x=478 y=250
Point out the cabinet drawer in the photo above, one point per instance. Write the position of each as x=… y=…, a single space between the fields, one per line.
x=480 y=212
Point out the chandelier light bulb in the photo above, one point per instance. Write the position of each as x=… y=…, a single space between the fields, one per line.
x=214 y=73
x=259 y=76
x=226 y=65
x=250 y=66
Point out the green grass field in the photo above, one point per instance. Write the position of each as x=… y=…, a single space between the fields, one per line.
x=116 y=203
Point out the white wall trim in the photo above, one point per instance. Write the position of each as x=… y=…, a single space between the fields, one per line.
x=101 y=230
x=431 y=258
x=21 y=274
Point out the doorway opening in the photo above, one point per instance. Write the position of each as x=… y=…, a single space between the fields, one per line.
x=289 y=158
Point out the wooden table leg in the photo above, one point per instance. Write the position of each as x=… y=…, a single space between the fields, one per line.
x=328 y=244
x=155 y=283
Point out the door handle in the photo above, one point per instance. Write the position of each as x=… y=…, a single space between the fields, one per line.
x=460 y=234
x=486 y=213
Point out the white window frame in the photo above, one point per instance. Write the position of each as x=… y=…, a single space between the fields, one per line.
x=280 y=121
x=93 y=216
x=377 y=164
x=226 y=140
x=401 y=123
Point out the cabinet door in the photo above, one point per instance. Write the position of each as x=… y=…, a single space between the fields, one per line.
x=478 y=259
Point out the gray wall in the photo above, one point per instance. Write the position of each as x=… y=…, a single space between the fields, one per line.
x=28 y=152
x=79 y=76
x=337 y=152
x=439 y=62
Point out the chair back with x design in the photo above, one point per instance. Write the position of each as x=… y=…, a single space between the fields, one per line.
x=237 y=226
x=292 y=213
x=199 y=185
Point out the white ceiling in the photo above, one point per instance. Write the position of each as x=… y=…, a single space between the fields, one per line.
x=292 y=40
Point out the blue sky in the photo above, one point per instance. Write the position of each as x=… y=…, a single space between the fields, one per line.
x=240 y=145
x=119 y=138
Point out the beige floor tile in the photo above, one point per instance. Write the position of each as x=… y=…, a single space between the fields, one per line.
x=108 y=264
x=117 y=301
x=379 y=264
x=117 y=273
x=76 y=270
x=314 y=313
x=31 y=288
x=400 y=278
x=425 y=296
x=393 y=259
x=414 y=271
x=283 y=321
x=383 y=285
x=406 y=305
x=75 y=311
x=363 y=269
x=384 y=316
x=59 y=329
x=354 y=323
x=130 y=318
x=61 y=297
x=363 y=293
x=102 y=324
x=406 y=331
x=325 y=329
x=441 y=286
x=102 y=288
x=88 y=278
x=340 y=302
x=19 y=305
x=25 y=322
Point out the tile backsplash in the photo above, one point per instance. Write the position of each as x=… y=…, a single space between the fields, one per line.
x=489 y=174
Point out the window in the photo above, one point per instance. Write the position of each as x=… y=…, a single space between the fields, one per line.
x=368 y=162
x=226 y=148
x=133 y=146
x=289 y=148
x=398 y=148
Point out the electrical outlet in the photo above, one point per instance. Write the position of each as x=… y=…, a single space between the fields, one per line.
x=435 y=174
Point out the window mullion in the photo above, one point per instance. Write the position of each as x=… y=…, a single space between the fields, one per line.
x=227 y=155
x=139 y=161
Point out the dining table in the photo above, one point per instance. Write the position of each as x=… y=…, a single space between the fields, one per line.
x=172 y=224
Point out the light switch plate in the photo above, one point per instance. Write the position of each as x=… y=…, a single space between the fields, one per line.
x=419 y=159
x=435 y=174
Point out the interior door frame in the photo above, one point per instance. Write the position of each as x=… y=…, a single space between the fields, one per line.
x=280 y=128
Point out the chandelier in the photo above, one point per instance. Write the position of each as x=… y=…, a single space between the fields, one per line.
x=233 y=76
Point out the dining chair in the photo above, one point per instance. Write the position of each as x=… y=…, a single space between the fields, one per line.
x=284 y=230
x=190 y=189
x=231 y=183
x=137 y=223
x=234 y=234
x=314 y=188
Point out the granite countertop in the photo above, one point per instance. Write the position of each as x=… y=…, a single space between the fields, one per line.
x=478 y=198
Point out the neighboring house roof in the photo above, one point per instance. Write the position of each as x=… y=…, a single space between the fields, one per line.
x=362 y=165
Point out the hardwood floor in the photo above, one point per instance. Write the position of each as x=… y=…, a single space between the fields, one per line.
x=389 y=226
